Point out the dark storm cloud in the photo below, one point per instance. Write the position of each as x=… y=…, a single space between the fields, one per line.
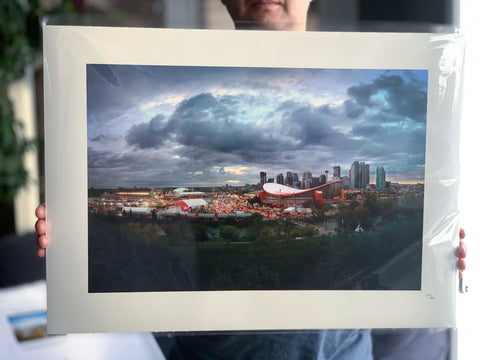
x=384 y=142
x=148 y=135
x=99 y=138
x=206 y=126
x=188 y=165
x=207 y=122
x=118 y=87
x=352 y=109
x=313 y=125
x=362 y=94
x=404 y=98
x=288 y=105
x=367 y=130
x=198 y=158
x=225 y=122
x=104 y=139
x=107 y=97
x=110 y=160
x=147 y=165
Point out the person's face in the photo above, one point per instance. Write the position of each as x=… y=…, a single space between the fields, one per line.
x=268 y=14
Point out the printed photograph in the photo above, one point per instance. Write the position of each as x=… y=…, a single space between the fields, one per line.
x=240 y=178
x=29 y=326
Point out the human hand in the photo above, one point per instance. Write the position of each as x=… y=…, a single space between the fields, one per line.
x=41 y=228
x=461 y=254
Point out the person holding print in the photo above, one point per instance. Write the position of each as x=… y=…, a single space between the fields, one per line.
x=286 y=15
x=290 y=15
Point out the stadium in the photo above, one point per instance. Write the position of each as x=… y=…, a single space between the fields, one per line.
x=287 y=196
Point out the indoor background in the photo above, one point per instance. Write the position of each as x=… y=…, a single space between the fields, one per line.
x=21 y=194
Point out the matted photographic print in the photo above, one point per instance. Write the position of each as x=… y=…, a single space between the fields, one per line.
x=234 y=178
x=250 y=180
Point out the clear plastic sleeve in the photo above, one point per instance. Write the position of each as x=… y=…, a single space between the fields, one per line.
x=165 y=204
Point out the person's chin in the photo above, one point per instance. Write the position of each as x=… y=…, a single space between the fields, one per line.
x=259 y=25
x=269 y=20
x=271 y=25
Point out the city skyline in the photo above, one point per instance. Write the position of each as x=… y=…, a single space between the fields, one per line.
x=208 y=126
x=375 y=178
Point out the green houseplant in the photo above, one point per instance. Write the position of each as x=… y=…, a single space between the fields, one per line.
x=19 y=39
x=19 y=47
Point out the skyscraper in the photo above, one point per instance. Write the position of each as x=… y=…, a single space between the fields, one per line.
x=307 y=180
x=280 y=179
x=354 y=174
x=263 y=178
x=296 y=181
x=381 y=183
x=323 y=179
x=336 y=173
x=364 y=175
x=359 y=175
x=289 y=179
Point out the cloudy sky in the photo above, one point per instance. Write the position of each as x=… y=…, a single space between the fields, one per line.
x=160 y=126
